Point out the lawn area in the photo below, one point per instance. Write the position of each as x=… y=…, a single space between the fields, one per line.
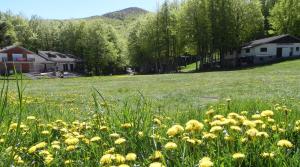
x=248 y=117
x=174 y=91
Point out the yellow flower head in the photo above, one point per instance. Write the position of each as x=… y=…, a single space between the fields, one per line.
x=262 y=134
x=175 y=130
x=193 y=126
x=235 y=128
x=120 y=158
x=72 y=141
x=206 y=162
x=31 y=118
x=171 y=146
x=284 y=143
x=216 y=129
x=126 y=125
x=96 y=138
x=106 y=159
x=157 y=155
x=120 y=141
x=71 y=148
x=267 y=113
x=131 y=157
x=267 y=155
x=123 y=165
x=252 y=132
x=32 y=149
x=41 y=145
x=238 y=156
x=156 y=164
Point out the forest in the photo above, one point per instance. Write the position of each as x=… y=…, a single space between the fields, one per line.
x=153 y=42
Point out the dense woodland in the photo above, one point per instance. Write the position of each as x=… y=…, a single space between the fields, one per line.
x=154 y=42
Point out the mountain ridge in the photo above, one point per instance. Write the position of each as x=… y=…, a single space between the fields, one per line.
x=121 y=14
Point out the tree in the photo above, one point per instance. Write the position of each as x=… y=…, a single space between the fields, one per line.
x=285 y=17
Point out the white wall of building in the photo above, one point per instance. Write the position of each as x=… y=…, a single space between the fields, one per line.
x=272 y=50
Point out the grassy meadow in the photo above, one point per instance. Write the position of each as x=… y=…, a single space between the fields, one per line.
x=229 y=118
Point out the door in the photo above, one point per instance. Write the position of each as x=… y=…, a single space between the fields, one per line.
x=71 y=67
x=279 y=52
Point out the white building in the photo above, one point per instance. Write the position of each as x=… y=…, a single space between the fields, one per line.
x=62 y=62
x=270 y=49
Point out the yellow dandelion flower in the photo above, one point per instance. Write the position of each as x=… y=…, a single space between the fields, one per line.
x=119 y=158
x=210 y=112
x=209 y=136
x=126 y=125
x=114 y=135
x=236 y=128
x=110 y=151
x=252 y=132
x=157 y=155
x=55 y=143
x=67 y=162
x=141 y=134
x=31 y=118
x=54 y=146
x=193 y=126
x=72 y=141
x=206 y=162
x=41 y=145
x=256 y=116
x=238 y=156
x=171 y=146
x=96 y=138
x=175 y=130
x=106 y=159
x=267 y=113
x=32 y=149
x=267 y=155
x=157 y=121
x=216 y=129
x=120 y=141
x=262 y=134
x=71 y=148
x=45 y=132
x=48 y=160
x=123 y=165
x=131 y=157
x=156 y=164
x=284 y=143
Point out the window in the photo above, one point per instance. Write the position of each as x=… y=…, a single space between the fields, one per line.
x=17 y=57
x=263 y=49
x=297 y=49
x=247 y=50
x=3 y=57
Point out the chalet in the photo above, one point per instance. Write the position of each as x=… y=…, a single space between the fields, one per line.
x=263 y=51
x=62 y=62
x=270 y=49
x=26 y=61
x=21 y=59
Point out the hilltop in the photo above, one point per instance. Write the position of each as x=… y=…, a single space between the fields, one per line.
x=121 y=14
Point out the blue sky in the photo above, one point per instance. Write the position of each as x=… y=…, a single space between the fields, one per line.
x=65 y=9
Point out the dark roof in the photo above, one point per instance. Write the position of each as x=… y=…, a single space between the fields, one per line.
x=58 y=57
x=268 y=40
x=14 y=46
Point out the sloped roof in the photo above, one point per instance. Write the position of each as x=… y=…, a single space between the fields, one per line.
x=3 y=50
x=58 y=57
x=268 y=40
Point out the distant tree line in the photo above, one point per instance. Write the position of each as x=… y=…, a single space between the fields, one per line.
x=97 y=43
x=207 y=29
x=203 y=29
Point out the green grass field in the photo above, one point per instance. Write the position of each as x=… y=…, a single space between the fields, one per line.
x=161 y=119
